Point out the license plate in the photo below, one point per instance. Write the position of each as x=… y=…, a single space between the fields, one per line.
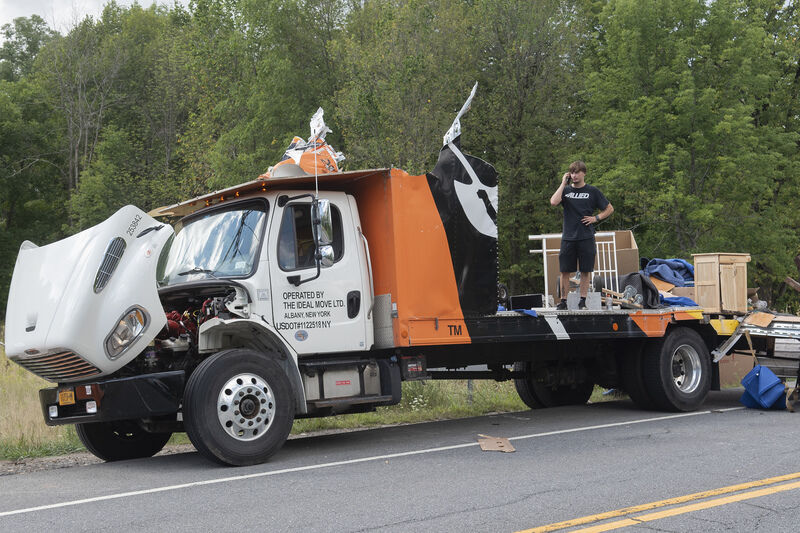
x=66 y=397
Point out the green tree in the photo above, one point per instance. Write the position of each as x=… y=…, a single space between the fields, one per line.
x=135 y=156
x=22 y=40
x=530 y=72
x=31 y=189
x=406 y=67
x=259 y=71
x=681 y=125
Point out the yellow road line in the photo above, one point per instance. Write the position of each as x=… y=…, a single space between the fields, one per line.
x=692 y=507
x=662 y=503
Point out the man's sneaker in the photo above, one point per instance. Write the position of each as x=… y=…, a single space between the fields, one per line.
x=562 y=306
x=582 y=304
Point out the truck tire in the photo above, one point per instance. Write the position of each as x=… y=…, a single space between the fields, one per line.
x=238 y=408
x=677 y=370
x=633 y=378
x=537 y=396
x=524 y=388
x=120 y=440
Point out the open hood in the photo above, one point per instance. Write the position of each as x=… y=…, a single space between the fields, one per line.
x=86 y=305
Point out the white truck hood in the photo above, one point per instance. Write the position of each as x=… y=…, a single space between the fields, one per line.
x=63 y=305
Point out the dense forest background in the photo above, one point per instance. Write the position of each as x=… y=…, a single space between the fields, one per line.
x=685 y=111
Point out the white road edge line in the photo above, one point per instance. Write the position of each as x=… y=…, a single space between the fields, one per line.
x=341 y=463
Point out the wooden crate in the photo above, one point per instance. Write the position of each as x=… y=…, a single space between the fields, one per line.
x=720 y=281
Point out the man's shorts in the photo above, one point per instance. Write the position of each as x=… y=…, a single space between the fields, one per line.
x=577 y=253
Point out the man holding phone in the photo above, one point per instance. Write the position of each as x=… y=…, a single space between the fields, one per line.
x=578 y=250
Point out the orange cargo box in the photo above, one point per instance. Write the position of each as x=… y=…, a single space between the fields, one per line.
x=430 y=267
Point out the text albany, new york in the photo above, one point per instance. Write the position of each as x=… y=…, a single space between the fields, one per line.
x=307 y=310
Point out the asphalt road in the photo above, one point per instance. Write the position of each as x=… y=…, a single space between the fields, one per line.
x=570 y=463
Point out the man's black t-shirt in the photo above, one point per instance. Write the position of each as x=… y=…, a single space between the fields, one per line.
x=579 y=203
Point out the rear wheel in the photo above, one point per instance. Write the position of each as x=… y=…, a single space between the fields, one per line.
x=238 y=407
x=120 y=440
x=524 y=387
x=677 y=370
x=536 y=394
x=633 y=379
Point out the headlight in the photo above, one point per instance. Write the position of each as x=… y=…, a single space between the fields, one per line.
x=129 y=328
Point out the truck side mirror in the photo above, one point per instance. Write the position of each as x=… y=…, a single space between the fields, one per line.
x=323 y=223
x=325 y=254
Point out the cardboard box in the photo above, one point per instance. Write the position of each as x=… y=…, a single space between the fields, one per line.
x=627 y=257
x=687 y=292
x=733 y=368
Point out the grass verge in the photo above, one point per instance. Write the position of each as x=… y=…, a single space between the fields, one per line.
x=23 y=432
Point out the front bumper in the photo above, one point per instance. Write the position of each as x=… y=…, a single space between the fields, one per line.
x=136 y=397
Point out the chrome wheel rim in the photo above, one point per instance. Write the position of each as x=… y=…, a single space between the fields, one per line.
x=686 y=369
x=246 y=407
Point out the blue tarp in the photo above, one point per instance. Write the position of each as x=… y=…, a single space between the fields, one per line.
x=676 y=271
x=529 y=312
x=678 y=301
x=763 y=389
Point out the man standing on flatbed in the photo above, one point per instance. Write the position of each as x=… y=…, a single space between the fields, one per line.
x=578 y=249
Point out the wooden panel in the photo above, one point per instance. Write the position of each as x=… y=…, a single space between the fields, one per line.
x=740 y=274
x=727 y=286
x=661 y=284
x=733 y=287
x=706 y=282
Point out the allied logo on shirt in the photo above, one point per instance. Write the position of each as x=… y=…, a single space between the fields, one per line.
x=577 y=195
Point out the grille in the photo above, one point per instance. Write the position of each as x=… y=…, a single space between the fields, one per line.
x=59 y=367
x=110 y=261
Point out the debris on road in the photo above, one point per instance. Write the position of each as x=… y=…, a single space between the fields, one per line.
x=495 y=444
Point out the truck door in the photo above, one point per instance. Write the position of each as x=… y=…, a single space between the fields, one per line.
x=326 y=314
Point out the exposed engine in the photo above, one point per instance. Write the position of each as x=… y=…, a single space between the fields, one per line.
x=176 y=346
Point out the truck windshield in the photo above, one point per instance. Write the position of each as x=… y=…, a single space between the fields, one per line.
x=222 y=244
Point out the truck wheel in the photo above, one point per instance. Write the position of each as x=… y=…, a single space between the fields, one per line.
x=633 y=379
x=677 y=370
x=577 y=394
x=121 y=440
x=238 y=407
x=524 y=388
x=537 y=396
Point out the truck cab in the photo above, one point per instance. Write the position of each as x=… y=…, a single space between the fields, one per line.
x=265 y=245
x=278 y=278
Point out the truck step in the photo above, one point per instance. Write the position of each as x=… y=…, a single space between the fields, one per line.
x=350 y=400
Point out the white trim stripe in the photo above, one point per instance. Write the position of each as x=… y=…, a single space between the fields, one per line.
x=557 y=327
